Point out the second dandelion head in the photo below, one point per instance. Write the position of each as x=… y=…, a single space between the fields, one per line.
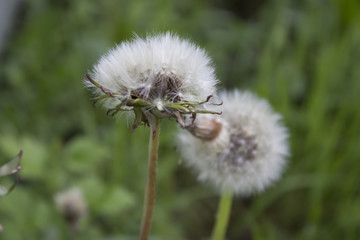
x=243 y=150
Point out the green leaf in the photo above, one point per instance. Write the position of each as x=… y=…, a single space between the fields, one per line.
x=84 y=154
x=116 y=200
x=93 y=189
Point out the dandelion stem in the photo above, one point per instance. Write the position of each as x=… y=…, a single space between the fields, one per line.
x=150 y=192
x=223 y=215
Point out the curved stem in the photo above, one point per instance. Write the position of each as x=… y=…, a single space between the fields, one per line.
x=150 y=192
x=223 y=215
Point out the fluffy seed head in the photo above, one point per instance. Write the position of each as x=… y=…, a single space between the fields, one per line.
x=162 y=75
x=71 y=204
x=249 y=151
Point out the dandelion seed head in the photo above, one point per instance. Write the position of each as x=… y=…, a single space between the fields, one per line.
x=71 y=204
x=160 y=70
x=163 y=63
x=250 y=151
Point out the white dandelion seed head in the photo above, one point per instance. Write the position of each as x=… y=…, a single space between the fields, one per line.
x=71 y=204
x=161 y=66
x=160 y=70
x=250 y=151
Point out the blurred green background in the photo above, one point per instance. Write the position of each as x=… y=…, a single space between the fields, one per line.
x=303 y=56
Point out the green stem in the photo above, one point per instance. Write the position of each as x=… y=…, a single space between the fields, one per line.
x=223 y=215
x=150 y=192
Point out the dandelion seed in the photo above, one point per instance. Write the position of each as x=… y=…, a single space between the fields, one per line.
x=242 y=150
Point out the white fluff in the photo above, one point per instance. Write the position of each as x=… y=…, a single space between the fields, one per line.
x=140 y=65
x=243 y=112
x=71 y=203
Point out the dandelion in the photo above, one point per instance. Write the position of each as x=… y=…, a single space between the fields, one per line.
x=242 y=151
x=71 y=204
x=161 y=76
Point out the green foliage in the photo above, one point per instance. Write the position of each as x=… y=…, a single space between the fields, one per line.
x=303 y=56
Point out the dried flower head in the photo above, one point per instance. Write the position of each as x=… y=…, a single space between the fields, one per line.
x=244 y=149
x=10 y=168
x=160 y=76
x=71 y=204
